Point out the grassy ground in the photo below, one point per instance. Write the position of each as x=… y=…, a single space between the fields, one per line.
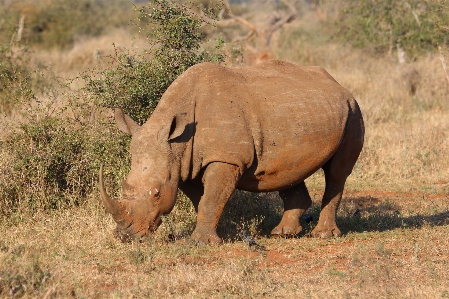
x=394 y=216
x=394 y=246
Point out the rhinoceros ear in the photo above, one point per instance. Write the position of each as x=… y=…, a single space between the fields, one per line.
x=174 y=129
x=124 y=122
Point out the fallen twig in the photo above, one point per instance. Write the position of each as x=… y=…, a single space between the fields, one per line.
x=21 y=26
x=443 y=63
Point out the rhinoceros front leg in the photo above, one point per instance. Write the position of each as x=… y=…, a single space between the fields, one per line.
x=219 y=182
x=296 y=201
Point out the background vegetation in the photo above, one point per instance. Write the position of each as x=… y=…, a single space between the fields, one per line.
x=136 y=81
x=416 y=26
x=56 y=153
x=76 y=59
x=59 y=23
x=15 y=77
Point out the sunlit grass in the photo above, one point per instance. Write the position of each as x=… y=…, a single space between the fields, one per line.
x=394 y=214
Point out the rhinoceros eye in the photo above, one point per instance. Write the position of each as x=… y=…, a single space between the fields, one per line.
x=154 y=192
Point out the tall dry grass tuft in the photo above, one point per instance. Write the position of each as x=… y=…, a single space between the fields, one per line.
x=406 y=132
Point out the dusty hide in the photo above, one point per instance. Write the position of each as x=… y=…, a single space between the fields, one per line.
x=276 y=121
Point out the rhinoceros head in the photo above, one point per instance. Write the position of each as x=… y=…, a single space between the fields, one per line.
x=150 y=189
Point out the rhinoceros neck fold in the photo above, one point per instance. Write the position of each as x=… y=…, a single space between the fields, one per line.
x=176 y=101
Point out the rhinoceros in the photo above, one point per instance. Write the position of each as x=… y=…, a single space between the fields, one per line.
x=261 y=128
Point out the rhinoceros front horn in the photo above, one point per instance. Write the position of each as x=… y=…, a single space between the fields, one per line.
x=112 y=206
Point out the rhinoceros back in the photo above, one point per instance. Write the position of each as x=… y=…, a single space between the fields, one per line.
x=277 y=121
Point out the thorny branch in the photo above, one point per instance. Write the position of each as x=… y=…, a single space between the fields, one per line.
x=264 y=35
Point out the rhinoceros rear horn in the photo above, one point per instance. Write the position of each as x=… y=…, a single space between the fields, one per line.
x=112 y=206
x=124 y=122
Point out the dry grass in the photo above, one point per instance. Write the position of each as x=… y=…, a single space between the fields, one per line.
x=394 y=245
x=88 y=52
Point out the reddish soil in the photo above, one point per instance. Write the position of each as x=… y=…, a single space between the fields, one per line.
x=335 y=254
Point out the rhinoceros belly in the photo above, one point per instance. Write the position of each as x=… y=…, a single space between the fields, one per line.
x=293 y=141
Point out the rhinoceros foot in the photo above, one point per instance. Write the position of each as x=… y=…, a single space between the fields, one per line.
x=205 y=236
x=326 y=232
x=286 y=230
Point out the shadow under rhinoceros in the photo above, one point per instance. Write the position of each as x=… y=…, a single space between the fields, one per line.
x=258 y=213
x=371 y=214
x=255 y=213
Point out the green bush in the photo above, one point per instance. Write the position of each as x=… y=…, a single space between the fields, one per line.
x=416 y=25
x=52 y=159
x=136 y=81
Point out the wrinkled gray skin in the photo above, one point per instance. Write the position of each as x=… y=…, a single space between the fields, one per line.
x=217 y=129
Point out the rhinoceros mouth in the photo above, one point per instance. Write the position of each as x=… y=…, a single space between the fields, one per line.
x=126 y=234
x=157 y=222
x=128 y=227
x=153 y=225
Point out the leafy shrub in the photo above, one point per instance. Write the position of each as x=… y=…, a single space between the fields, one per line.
x=136 y=82
x=416 y=25
x=54 y=157
x=49 y=159
x=54 y=161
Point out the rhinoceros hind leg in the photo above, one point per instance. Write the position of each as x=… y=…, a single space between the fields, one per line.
x=219 y=182
x=327 y=225
x=296 y=201
x=336 y=171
